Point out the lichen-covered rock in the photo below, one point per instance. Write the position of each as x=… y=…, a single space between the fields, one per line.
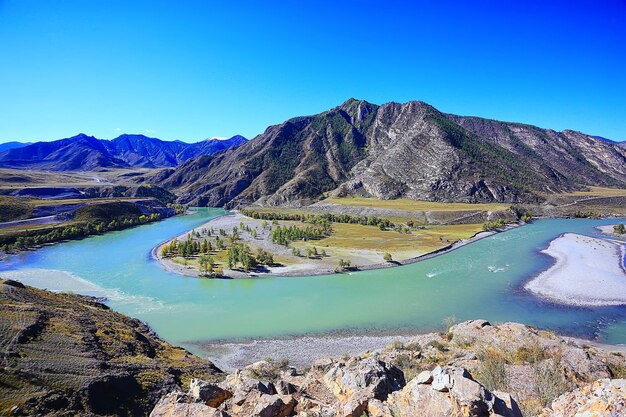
x=602 y=398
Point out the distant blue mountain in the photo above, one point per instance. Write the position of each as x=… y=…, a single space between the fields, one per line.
x=12 y=145
x=83 y=152
x=618 y=143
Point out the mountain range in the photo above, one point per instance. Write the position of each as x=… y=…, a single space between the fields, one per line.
x=394 y=150
x=12 y=145
x=82 y=152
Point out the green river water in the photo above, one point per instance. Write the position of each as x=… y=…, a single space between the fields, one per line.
x=480 y=280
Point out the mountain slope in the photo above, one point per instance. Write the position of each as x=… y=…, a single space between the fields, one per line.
x=78 y=152
x=397 y=150
x=84 y=152
x=209 y=147
x=67 y=355
x=297 y=160
x=12 y=145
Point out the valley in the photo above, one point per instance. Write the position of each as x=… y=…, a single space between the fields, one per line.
x=357 y=229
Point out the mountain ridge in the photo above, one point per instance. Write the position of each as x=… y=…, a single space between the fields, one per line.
x=84 y=152
x=394 y=150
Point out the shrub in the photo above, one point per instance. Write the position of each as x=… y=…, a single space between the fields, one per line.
x=492 y=370
x=493 y=225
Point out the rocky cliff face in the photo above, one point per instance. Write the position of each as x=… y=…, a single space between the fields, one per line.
x=66 y=355
x=475 y=369
x=397 y=150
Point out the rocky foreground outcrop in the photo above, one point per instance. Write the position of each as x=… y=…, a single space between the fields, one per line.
x=474 y=369
x=68 y=355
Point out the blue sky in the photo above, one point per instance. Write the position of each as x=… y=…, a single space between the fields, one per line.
x=189 y=69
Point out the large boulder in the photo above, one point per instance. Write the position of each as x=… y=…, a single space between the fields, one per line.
x=449 y=391
x=377 y=378
x=602 y=398
x=177 y=404
x=210 y=394
x=353 y=383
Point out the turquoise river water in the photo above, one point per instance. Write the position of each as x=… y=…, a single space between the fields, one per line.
x=480 y=280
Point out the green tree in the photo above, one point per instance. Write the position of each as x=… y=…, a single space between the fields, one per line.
x=387 y=257
x=205 y=262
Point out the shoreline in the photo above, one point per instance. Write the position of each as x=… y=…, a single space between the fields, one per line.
x=302 y=350
x=586 y=272
x=173 y=267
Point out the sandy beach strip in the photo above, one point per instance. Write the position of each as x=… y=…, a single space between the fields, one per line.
x=588 y=272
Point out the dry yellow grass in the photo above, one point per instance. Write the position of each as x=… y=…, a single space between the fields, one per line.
x=599 y=191
x=414 y=205
x=17 y=178
x=355 y=237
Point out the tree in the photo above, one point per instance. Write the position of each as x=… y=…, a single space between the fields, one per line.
x=205 y=263
x=387 y=257
x=239 y=253
x=343 y=264
x=619 y=229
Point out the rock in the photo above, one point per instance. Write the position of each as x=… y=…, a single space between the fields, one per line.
x=602 y=398
x=15 y=410
x=376 y=408
x=424 y=377
x=274 y=406
x=13 y=283
x=453 y=392
x=285 y=388
x=356 y=405
x=210 y=394
x=379 y=378
x=504 y=402
x=241 y=386
x=176 y=405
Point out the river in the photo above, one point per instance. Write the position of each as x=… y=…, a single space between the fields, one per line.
x=480 y=280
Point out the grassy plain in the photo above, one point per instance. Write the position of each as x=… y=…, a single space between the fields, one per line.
x=11 y=179
x=598 y=191
x=414 y=205
x=403 y=245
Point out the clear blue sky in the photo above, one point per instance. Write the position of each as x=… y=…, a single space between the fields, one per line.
x=190 y=69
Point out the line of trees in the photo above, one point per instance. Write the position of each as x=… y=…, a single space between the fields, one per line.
x=33 y=238
x=320 y=219
x=191 y=247
x=285 y=234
